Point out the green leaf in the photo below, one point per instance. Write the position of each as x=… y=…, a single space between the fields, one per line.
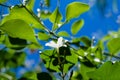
x=3 y=1
x=63 y=33
x=44 y=15
x=43 y=36
x=47 y=3
x=113 y=45
x=75 y=9
x=107 y=71
x=85 y=40
x=44 y=76
x=48 y=58
x=77 y=26
x=55 y=18
x=84 y=70
x=30 y=4
x=16 y=28
x=73 y=58
x=19 y=12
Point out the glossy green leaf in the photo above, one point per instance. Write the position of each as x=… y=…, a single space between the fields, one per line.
x=108 y=71
x=77 y=26
x=55 y=18
x=16 y=28
x=2 y=1
x=75 y=9
x=19 y=12
x=43 y=36
x=63 y=33
x=113 y=45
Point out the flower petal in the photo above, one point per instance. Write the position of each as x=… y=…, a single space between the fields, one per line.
x=51 y=44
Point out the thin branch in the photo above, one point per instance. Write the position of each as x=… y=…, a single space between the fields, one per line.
x=5 y=5
x=107 y=54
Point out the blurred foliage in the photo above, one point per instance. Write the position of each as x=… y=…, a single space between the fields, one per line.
x=22 y=29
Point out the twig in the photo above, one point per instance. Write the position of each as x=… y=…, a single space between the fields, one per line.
x=107 y=54
x=5 y=5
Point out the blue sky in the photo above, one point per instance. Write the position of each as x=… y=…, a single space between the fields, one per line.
x=96 y=23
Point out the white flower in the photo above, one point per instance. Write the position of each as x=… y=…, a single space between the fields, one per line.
x=97 y=60
x=61 y=42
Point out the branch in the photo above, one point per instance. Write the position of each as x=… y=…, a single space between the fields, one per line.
x=107 y=54
x=5 y=5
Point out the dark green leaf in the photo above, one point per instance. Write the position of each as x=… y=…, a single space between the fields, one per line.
x=47 y=3
x=77 y=26
x=75 y=9
x=64 y=51
x=17 y=41
x=44 y=76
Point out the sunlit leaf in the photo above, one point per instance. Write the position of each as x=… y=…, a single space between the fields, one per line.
x=2 y=1
x=107 y=71
x=63 y=33
x=77 y=26
x=55 y=18
x=44 y=15
x=75 y=9
x=113 y=45
x=16 y=28
x=29 y=76
x=30 y=4
x=43 y=36
x=19 y=12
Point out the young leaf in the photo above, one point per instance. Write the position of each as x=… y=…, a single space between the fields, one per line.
x=77 y=26
x=19 y=12
x=55 y=18
x=75 y=9
x=16 y=28
x=43 y=36
x=113 y=45
x=107 y=71
x=63 y=33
